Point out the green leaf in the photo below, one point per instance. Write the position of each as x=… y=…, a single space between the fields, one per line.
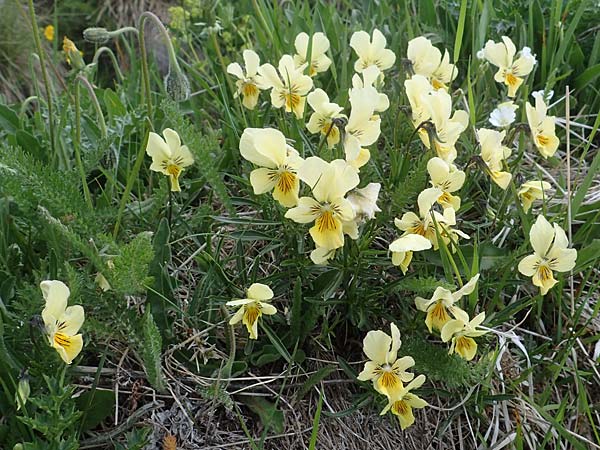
x=588 y=75
x=102 y=406
x=268 y=413
x=313 y=380
x=114 y=106
x=151 y=352
x=162 y=287
x=587 y=256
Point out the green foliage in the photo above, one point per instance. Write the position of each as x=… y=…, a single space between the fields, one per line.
x=130 y=273
x=55 y=417
x=151 y=351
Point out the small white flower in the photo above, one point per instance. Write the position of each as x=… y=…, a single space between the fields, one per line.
x=480 y=54
x=504 y=115
x=546 y=96
x=364 y=200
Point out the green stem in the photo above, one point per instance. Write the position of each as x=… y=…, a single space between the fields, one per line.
x=40 y=51
x=172 y=58
x=113 y=59
x=96 y=103
x=77 y=147
x=213 y=37
x=130 y=180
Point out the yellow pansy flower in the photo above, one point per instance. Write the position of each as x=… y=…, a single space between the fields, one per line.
x=249 y=83
x=442 y=304
x=62 y=323
x=169 y=156
x=448 y=126
x=402 y=249
x=404 y=401
x=424 y=223
x=461 y=332
x=288 y=87
x=251 y=308
x=550 y=254
x=49 y=33
x=363 y=127
x=371 y=51
x=417 y=88
x=542 y=126
x=279 y=164
x=532 y=191
x=367 y=80
x=427 y=61
x=328 y=209
x=493 y=153
x=319 y=62
x=323 y=120
x=511 y=71
x=446 y=177
x=384 y=368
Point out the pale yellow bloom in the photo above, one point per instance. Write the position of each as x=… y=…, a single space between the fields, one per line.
x=448 y=126
x=550 y=254
x=278 y=164
x=417 y=88
x=542 y=127
x=462 y=331
x=493 y=153
x=511 y=71
x=384 y=368
x=504 y=114
x=249 y=82
x=252 y=307
x=442 y=304
x=403 y=402
x=169 y=156
x=288 y=87
x=532 y=191
x=427 y=61
x=328 y=209
x=49 y=32
x=364 y=201
x=62 y=323
x=323 y=120
x=363 y=127
x=448 y=178
x=371 y=51
x=319 y=62
x=424 y=224
x=367 y=80
x=402 y=249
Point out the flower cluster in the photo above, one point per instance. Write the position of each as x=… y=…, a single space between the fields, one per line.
x=334 y=205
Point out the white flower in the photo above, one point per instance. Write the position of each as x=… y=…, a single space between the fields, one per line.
x=319 y=62
x=504 y=114
x=480 y=54
x=371 y=52
x=364 y=200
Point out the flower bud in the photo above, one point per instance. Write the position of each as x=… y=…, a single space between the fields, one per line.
x=23 y=391
x=177 y=86
x=96 y=35
x=72 y=54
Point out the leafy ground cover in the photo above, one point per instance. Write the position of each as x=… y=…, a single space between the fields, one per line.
x=257 y=224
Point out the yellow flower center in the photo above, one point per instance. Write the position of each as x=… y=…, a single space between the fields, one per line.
x=437 y=84
x=463 y=345
x=400 y=407
x=389 y=379
x=292 y=100
x=511 y=80
x=418 y=228
x=252 y=313
x=545 y=272
x=286 y=181
x=173 y=170
x=326 y=221
x=249 y=89
x=542 y=140
x=62 y=340
x=439 y=313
